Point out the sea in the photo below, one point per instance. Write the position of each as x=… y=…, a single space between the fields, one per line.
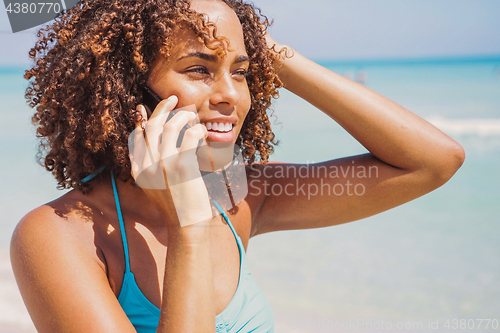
x=431 y=265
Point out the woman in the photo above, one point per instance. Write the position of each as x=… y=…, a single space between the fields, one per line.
x=111 y=256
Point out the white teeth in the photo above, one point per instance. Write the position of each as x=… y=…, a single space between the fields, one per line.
x=220 y=127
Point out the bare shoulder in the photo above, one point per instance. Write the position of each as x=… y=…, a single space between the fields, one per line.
x=52 y=236
x=60 y=271
x=64 y=222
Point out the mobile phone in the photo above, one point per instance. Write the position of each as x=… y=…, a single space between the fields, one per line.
x=150 y=100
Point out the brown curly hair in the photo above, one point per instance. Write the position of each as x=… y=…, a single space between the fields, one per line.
x=91 y=63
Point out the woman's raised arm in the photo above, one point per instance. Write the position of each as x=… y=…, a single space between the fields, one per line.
x=412 y=156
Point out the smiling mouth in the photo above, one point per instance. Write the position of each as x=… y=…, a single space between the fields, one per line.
x=219 y=127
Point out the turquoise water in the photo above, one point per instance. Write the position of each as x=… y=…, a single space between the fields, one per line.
x=435 y=258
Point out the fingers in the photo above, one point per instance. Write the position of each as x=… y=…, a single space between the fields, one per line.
x=192 y=138
x=182 y=132
x=165 y=106
x=153 y=144
x=172 y=130
x=143 y=144
x=142 y=111
x=181 y=164
x=136 y=143
x=154 y=125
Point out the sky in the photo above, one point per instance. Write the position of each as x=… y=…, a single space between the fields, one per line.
x=353 y=29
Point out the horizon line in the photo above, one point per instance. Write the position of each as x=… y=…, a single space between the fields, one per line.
x=380 y=61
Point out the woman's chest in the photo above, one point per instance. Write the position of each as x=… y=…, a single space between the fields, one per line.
x=147 y=255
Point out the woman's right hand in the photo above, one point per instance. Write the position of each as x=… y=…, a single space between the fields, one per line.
x=170 y=176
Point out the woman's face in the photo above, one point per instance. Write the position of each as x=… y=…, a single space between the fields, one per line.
x=197 y=75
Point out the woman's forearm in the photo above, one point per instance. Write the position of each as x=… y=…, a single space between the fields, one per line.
x=188 y=291
x=390 y=132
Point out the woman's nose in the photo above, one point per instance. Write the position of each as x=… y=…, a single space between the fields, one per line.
x=225 y=91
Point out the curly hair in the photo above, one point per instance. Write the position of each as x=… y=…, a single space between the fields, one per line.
x=91 y=63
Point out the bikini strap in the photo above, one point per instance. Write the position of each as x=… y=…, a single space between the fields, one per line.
x=238 y=239
x=92 y=176
x=122 y=225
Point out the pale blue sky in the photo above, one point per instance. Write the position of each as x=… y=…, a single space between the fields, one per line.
x=347 y=29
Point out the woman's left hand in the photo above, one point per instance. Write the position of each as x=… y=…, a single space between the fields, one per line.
x=273 y=45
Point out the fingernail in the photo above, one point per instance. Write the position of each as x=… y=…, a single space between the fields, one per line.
x=141 y=109
x=173 y=98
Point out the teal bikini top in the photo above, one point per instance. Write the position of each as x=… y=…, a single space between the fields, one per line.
x=248 y=311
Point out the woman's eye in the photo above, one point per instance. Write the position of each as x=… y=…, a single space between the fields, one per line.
x=198 y=70
x=242 y=72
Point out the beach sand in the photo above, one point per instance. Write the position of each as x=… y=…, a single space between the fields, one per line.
x=294 y=321
x=13 y=314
